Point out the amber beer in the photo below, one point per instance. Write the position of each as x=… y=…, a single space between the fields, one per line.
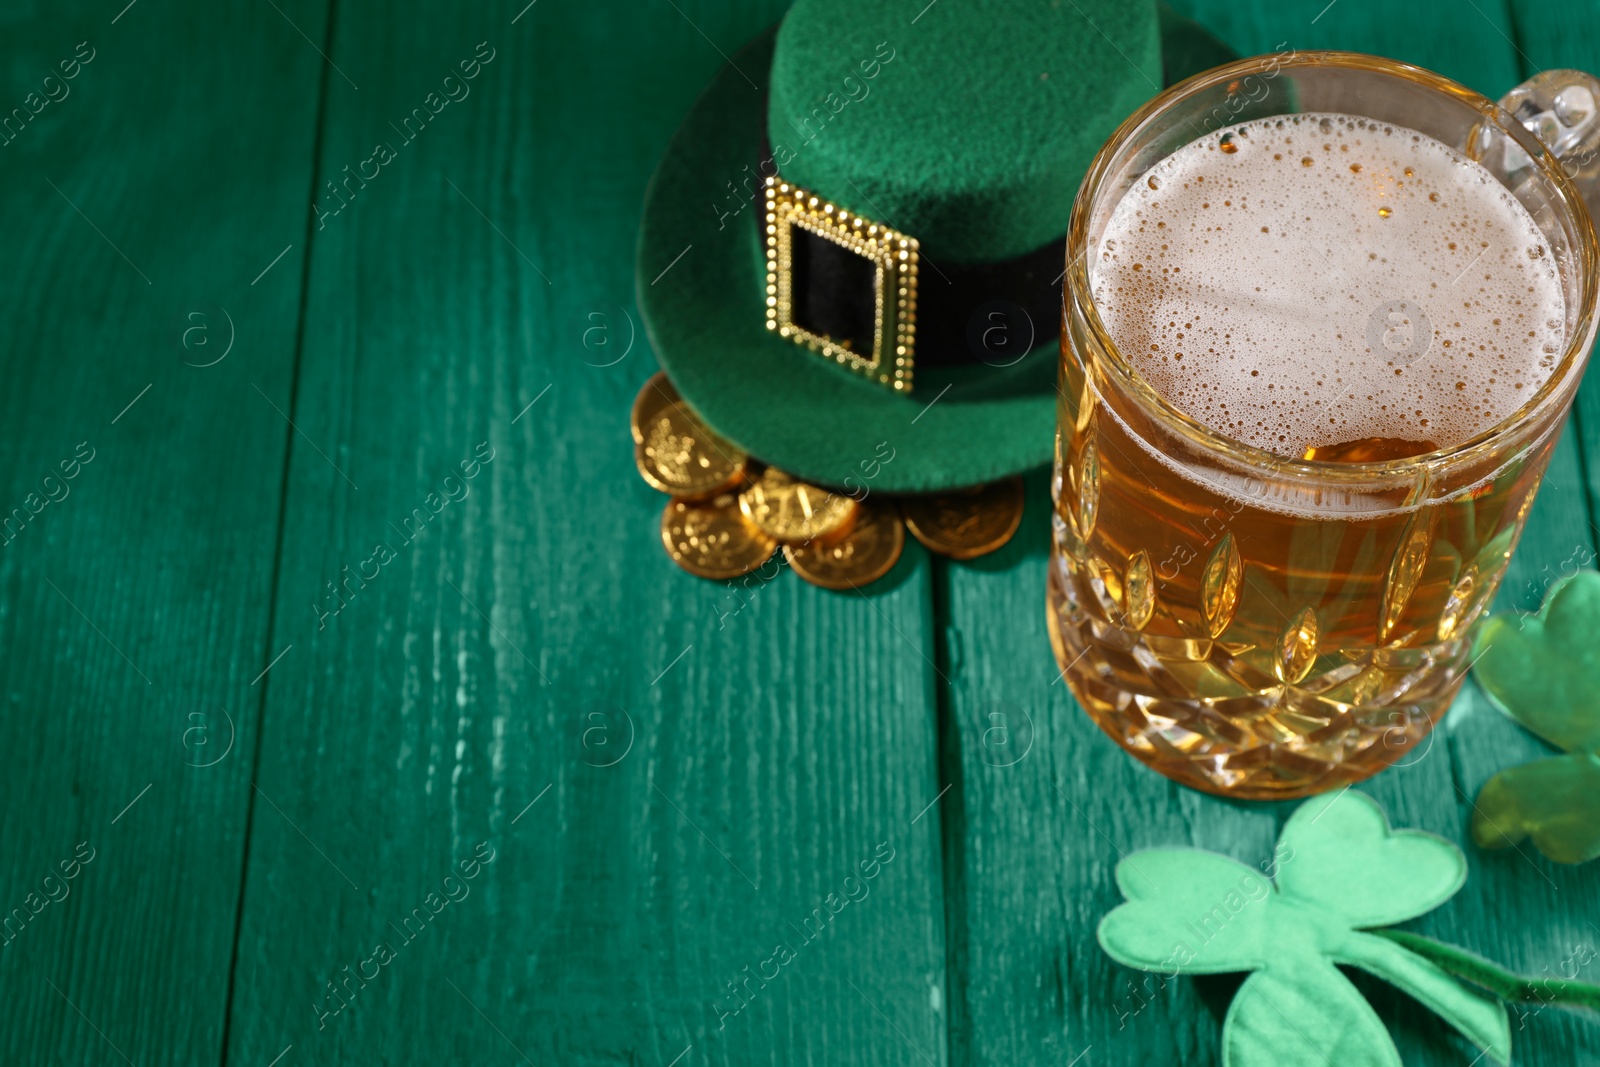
x=1313 y=369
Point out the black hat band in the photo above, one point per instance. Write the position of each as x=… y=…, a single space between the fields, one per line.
x=848 y=288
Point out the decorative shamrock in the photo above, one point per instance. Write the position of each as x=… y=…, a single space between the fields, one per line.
x=1339 y=872
x=1542 y=672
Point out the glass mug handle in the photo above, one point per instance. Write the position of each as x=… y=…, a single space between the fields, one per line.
x=1562 y=109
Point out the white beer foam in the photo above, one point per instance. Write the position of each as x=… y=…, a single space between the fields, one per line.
x=1304 y=281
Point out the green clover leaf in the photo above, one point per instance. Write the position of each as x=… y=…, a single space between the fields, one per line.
x=1556 y=801
x=1149 y=933
x=1347 y=861
x=1315 y=1017
x=1541 y=671
x=1338 y=871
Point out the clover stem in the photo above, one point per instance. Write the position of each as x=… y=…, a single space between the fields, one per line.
x=1502 y=983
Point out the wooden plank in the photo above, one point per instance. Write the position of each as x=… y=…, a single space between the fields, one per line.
x=1471 y=44
x=1548 y=925
x=1049 y=804
x=1552 y=35
x=472 y=687
x=139 y=204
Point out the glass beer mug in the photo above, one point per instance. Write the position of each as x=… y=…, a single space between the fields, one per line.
x=1269 y=551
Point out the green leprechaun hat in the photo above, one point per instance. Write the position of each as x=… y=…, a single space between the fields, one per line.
x=857 y=234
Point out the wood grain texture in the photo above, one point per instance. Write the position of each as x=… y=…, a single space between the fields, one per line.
x=1049 y=804
x=1557 y=902
x=469 y=691
x=672 y=776
x=134 y=606
x=1563 y=33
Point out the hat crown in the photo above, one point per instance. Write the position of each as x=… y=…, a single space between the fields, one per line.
x=967 y=125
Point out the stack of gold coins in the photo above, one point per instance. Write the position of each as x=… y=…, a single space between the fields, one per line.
x=729 y=514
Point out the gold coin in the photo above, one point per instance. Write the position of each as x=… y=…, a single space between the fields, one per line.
x=712 y=539
x=656 y=397
x=682 y=456
x=862 y=556
x=967 y=524
x=793 y=511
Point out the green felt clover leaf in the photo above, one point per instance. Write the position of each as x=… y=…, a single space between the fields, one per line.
x=1347 y=861
x=1338 y=871
x=1544 y=672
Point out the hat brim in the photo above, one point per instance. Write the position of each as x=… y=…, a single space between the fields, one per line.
x=699 y=274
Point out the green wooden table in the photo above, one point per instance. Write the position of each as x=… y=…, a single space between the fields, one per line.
x=352 y=626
